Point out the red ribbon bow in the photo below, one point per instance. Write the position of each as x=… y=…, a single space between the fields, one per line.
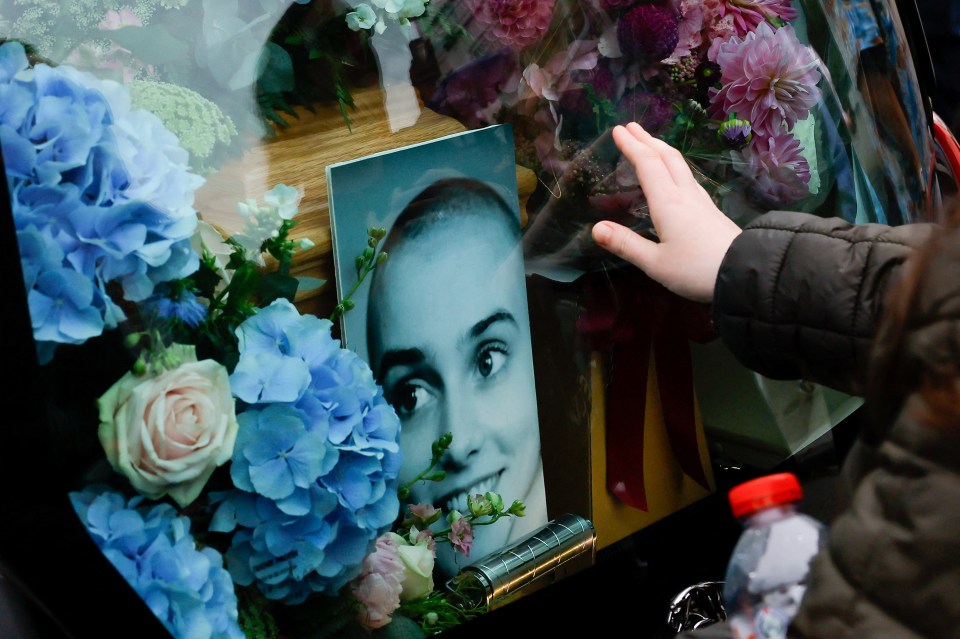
x=628 y=314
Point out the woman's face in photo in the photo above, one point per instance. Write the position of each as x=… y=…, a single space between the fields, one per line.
x=450 y=342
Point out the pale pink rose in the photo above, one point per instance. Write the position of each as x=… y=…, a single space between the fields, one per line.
x=168 y=433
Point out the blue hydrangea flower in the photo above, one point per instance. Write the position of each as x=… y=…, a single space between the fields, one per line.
x=105 y=188
x=315 y=469
x=280 y=455
x=151 y=546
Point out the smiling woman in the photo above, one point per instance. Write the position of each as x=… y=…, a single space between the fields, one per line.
x=449 y=340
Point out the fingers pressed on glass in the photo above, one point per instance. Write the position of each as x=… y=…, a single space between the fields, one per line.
x=652 y=172
x=671 y=157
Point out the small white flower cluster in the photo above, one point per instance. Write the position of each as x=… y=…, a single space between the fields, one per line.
x=374 y=15
x=263 y=221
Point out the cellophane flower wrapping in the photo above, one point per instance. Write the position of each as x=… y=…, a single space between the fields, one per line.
x=749 y=91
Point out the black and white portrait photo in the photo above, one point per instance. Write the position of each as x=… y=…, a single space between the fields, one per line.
x=444 y=322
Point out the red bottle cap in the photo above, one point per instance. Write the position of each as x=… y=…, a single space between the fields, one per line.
x=764 y=492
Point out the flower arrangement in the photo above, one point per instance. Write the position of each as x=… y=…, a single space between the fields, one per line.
x=729 y=82
x=726 y=81
x=253 y=461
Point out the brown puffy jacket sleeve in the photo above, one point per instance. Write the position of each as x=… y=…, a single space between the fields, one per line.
x=798 y=296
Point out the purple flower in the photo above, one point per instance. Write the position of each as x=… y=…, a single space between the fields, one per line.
x=648 y=32
x=768 y=78
x=775 y=170
x=472 y=94
x=653 y=112
x=576 y=100
x=735 y=133
x=180 y=305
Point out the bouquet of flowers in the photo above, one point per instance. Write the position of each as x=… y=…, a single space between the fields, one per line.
x=252 y=463
x=728 y=82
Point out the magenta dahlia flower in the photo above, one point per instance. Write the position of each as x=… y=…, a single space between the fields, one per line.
x=749 y=14
x=517 y=24
x=768 y=78
x=775 y=169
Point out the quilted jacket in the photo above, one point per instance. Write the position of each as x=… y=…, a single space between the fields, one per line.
x=800 y=297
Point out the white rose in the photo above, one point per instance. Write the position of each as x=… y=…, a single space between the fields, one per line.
x=168 y=433
x=418 y=561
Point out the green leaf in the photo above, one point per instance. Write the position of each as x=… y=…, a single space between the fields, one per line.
x=274 y=286
x=241 y=288
x=276 y=70
x=255 y=618
x=206 y=280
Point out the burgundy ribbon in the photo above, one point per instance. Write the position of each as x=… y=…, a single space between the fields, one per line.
x=627 y=315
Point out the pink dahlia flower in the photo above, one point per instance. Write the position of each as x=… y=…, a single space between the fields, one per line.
x=767 y=78
x=749 y=14
x=775 y=169
x=517 y=24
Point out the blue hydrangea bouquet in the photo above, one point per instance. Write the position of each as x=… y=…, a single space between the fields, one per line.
x=250 y=462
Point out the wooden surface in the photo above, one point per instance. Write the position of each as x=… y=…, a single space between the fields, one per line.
x=298 y=156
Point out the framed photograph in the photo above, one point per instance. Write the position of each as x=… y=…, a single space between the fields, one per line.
x=444 y=321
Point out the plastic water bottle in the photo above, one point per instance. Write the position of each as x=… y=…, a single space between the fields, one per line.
x=767 y=574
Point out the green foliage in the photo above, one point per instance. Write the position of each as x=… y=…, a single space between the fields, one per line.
x=322 y=52
x=364 y=263
x=604 y=110
x=255 y=618
x=438 y=611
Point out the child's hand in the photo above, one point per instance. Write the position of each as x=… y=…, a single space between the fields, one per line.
x=694 y=234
